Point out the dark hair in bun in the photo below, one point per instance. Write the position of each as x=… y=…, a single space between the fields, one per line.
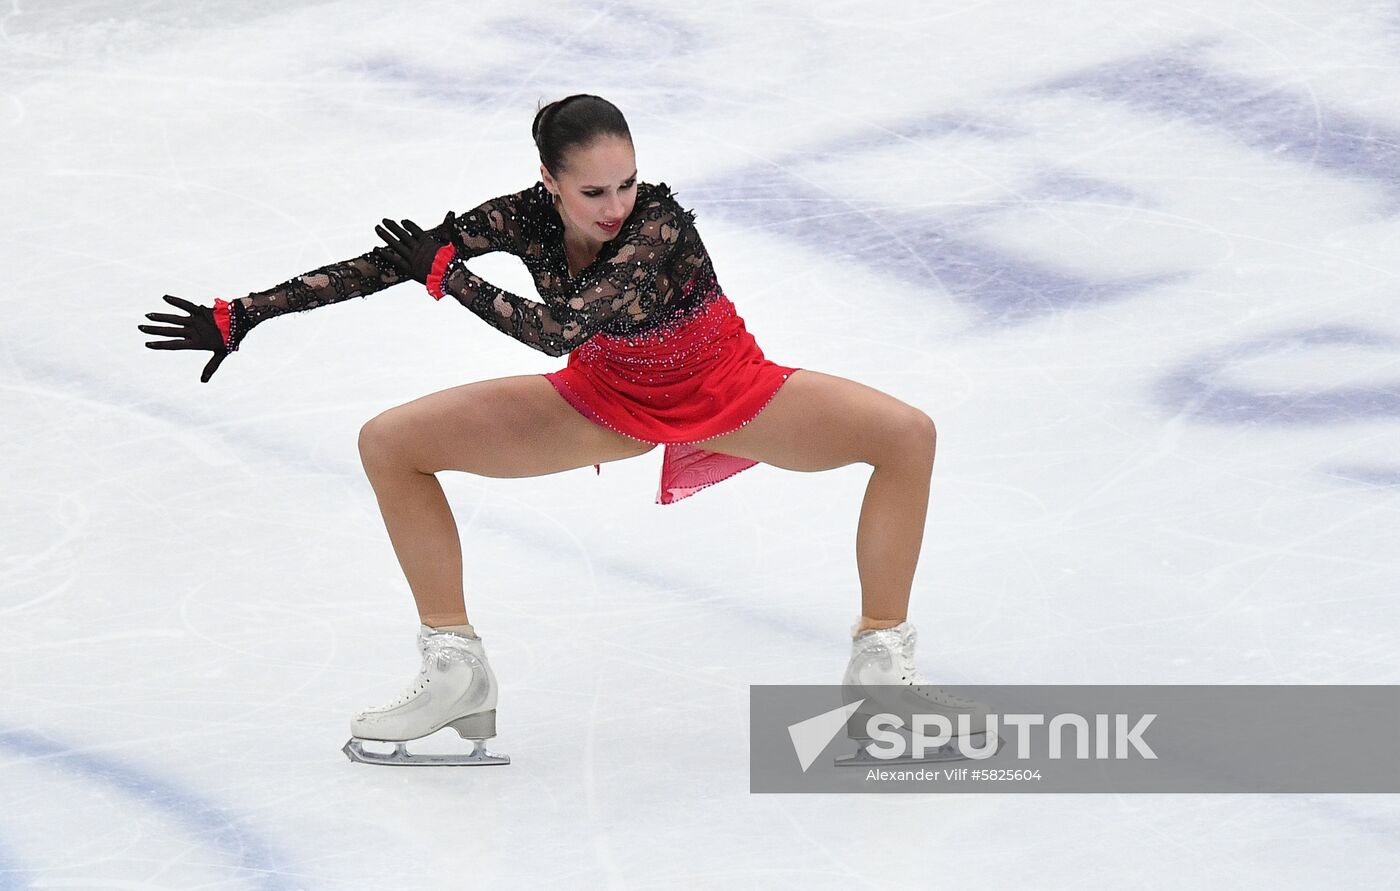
x=574 y=120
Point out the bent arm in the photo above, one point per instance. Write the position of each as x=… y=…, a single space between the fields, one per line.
x=626 y=284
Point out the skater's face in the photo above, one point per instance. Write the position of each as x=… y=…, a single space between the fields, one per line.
x=597 y=188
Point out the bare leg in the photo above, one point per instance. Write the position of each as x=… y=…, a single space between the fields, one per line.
x=821 y=422
x=890 y=535
x=425 y=539
x=507 y=428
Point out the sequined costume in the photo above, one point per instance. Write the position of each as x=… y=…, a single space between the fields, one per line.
x=656 y=351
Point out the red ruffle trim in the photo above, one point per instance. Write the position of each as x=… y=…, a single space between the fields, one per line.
x=440 y=261
x=221 y=319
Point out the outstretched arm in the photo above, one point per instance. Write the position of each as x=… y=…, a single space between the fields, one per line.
x=358 y=277
x=220 y=328
x=490 y=226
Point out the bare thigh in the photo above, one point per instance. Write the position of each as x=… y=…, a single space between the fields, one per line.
x=820 y=422
x=507 y=427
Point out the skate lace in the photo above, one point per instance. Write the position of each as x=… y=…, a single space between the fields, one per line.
x=437 y=648
x=922 y=685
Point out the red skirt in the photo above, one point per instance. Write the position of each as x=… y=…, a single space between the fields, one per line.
x=676 y=386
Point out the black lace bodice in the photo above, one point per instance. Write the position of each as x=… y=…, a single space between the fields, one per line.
x=653 y=271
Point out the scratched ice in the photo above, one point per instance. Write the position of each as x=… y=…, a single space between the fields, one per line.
x=1136 y=260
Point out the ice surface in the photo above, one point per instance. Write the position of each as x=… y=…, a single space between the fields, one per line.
x=1136 y=260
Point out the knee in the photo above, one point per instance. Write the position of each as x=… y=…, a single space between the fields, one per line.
x=927 y=434
x=918 y=436
x=380 y=438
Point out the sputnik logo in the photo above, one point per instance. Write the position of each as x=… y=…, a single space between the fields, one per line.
x=809 y=737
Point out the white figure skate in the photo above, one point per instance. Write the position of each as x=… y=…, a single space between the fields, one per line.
x=455 y=688
x=882 y=675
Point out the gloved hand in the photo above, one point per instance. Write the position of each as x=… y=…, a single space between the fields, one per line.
x=196 y=331
x=412 y=249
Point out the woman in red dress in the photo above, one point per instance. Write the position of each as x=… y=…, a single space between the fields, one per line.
x=657 y=355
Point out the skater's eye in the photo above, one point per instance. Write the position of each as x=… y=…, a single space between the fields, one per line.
x=594 y=193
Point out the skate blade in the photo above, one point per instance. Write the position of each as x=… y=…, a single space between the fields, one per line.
x=479 y=756
x=947 y=752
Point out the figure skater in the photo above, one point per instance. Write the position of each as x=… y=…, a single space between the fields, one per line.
x=657 y=355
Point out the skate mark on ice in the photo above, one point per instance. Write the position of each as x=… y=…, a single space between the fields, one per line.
x=256 y=859
x=1201 y=389
x=62 y=382
x=1278 y=120
x=1197 y=388
x=1374 y=476
x=636 y=37
x=943 y=251
x=13 y=877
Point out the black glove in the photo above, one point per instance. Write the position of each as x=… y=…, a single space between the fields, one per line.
x=411 y=249
x=196 y=331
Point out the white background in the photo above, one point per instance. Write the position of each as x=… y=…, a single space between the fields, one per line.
x=1137 y=260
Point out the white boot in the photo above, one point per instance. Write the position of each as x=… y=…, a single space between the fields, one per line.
x=455 y=687
x=882 y=672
